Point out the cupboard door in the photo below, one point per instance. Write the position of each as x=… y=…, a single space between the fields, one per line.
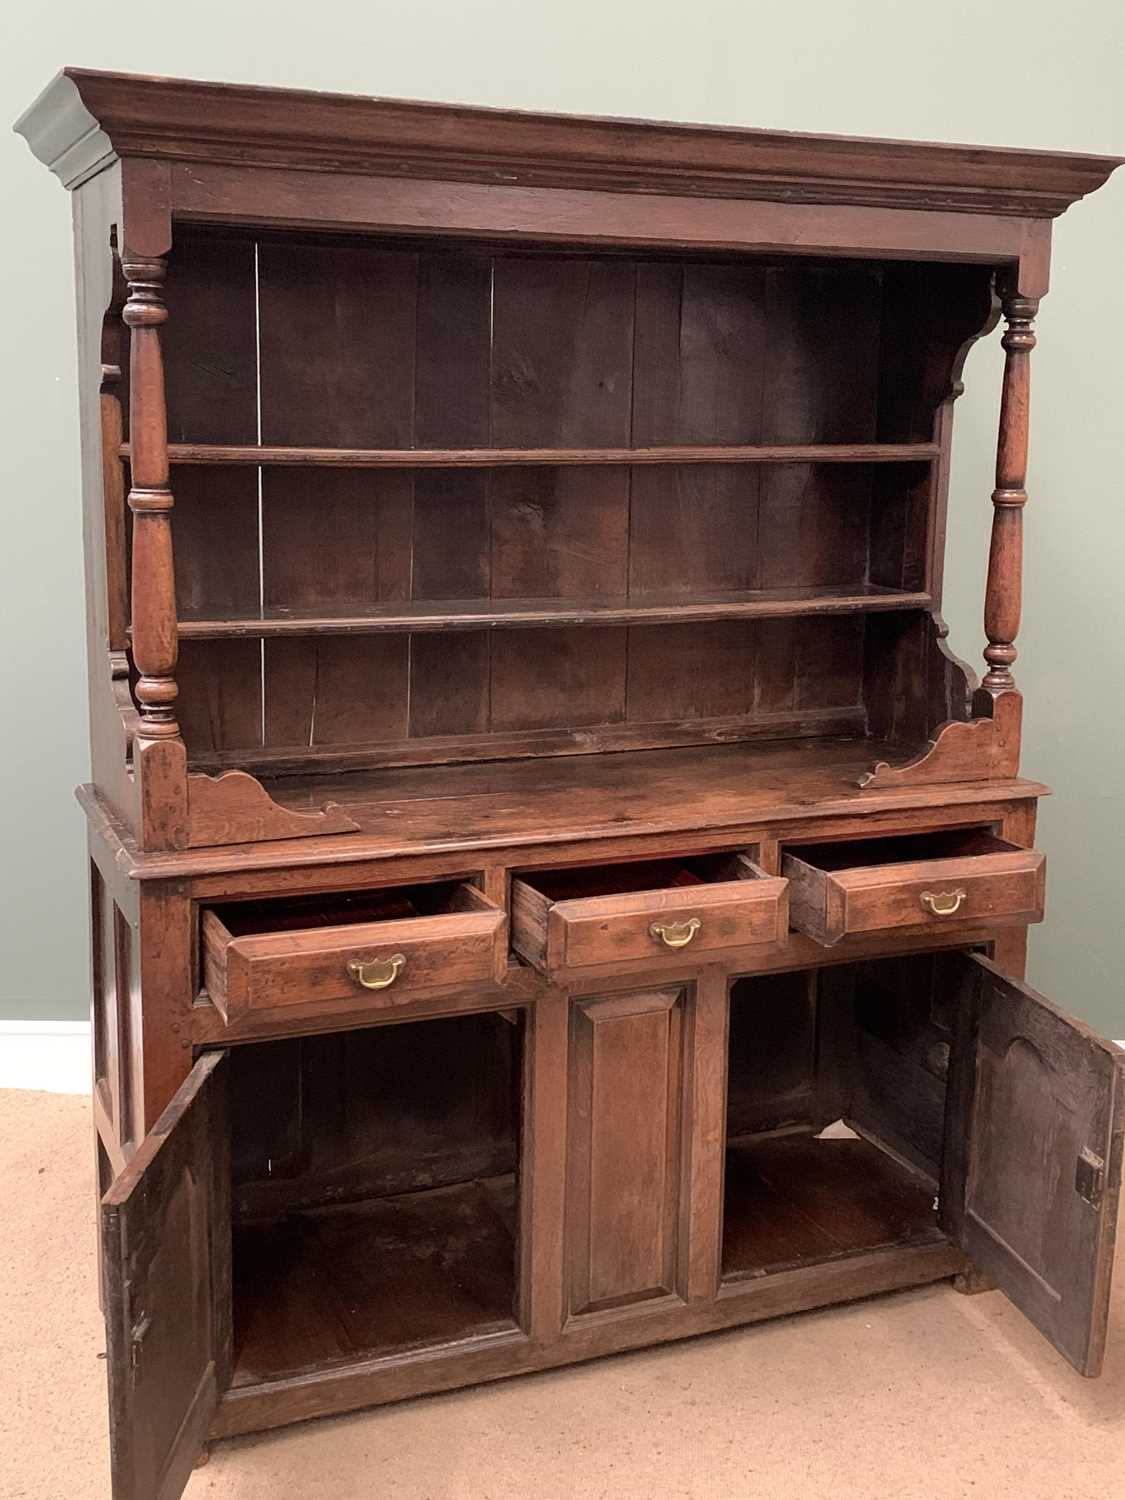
x=166 y=1253
x=1034 y=1124
x=624 y=1107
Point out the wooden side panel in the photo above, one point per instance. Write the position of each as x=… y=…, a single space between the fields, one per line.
x=931 y=313
x=911 y=681
x=530 y=912
x=900 y=1058
x=116 y=1012
x=1034 y=1134
x=772 y=1052
x=901 y=526
x=166 y=1267
x=625 y=1168
x=102 y=348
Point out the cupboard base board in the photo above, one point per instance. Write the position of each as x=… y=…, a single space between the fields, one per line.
x=377 y=1277
x=794 y=1199
x=374 y=1382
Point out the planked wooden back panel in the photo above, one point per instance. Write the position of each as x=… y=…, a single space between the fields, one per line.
x=372 y=345
x=344 y=1116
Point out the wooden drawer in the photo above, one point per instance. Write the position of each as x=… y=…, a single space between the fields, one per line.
x=566 y=921
x=921 y=880
x=384 y=948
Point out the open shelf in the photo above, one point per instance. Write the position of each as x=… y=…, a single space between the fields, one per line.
x=560 y=505
x=494 y=458
x=499 y=614
x=792 y=1200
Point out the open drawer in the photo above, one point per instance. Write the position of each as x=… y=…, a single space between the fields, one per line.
x=382 y=947
x=595 y=917
x=911 y=882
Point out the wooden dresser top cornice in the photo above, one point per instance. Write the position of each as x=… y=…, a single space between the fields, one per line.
x=84 y=120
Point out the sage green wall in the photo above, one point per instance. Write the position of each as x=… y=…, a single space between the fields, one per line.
x=1009 y=72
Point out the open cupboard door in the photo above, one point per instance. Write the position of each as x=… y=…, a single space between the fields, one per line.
x=1035 y=1114
x=166 y=1258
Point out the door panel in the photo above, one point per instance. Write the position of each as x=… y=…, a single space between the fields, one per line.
x=626 y=1064
x=166 y=1269
x=1036 y=1113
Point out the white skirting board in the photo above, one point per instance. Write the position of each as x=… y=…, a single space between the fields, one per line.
x=53 y=1056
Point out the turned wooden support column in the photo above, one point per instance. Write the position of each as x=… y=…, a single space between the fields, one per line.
x=150 y=500
x=1005 y=557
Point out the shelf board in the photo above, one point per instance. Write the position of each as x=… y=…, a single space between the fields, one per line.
x=500 y=614
x=493 y=458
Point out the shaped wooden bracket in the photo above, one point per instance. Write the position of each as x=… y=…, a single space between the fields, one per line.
x=235 y=808
x=983 y=748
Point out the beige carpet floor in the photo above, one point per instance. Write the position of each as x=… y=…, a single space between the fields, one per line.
x=921 y=1395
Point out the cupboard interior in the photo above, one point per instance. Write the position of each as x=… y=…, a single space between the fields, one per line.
x=861 y=1053
x=376 y=1172
x=474 y=612
x=375 y=1189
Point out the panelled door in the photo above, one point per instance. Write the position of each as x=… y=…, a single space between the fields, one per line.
x=166 y=1259
x=625 y=1172
x=1032 y=1174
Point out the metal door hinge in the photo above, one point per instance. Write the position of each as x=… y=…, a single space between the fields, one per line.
x=136 y=1342
x=1089 y=1177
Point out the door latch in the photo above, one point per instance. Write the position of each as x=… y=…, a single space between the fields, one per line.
x=1089 y=1177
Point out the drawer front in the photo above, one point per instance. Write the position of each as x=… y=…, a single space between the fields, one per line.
x=830 y=905
x=666 y=927
x=376 y=964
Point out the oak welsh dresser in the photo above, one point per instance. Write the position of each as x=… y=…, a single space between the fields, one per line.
x=553 y=888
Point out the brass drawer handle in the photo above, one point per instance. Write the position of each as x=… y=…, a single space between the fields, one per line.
x=944 y=903
x=675 y=934
x=380 y=973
